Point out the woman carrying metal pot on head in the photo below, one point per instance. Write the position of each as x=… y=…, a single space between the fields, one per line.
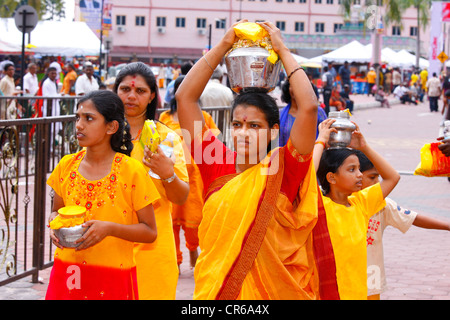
x=261 y=210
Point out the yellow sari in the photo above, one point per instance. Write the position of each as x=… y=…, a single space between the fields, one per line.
x=189 y=214
x=156 y=263
x=256 y=243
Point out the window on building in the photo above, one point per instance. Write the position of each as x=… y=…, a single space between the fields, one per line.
x=263 y=0
x=329 y=1
x=221 y=24
x=180 y=22
x=291 y=1
x=121 y=20
x=299 y=26
x=278 y=0
x=160 y=21
x=201 y=23
x=140 y=20
x=320 y=27
x=413 y=31
x=337 y=26
x=301 y=1
x=318 y=1
x=281 y=25
x=396 y=31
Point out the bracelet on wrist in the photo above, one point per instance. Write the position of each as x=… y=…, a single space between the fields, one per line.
x=169 y=180
x=295 y=70
x=322 y=143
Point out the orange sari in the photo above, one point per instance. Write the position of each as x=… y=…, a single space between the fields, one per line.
x=188 y=215
x=258 y=235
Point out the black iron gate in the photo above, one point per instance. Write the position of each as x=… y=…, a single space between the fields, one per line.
x=30 y=149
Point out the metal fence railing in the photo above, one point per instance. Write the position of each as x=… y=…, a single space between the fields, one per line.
x=31 y=147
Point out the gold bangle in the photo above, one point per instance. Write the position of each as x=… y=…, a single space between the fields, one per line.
x=204 y=57
x=295 y=70
x=322 y=143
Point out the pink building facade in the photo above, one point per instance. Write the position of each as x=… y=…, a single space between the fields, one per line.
x=171 y=31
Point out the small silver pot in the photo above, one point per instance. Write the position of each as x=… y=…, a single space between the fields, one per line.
x=68 y=236
x=248 y=67
x=344 y=128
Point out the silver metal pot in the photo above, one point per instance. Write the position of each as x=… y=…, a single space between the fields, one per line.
x=68 y=236
x=248 y=67
x=344 y=128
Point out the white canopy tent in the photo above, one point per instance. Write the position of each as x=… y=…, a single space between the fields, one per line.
x=351 y=52
x=357 y=52
x=404 y=59
x=65 y=38
x=299 y=59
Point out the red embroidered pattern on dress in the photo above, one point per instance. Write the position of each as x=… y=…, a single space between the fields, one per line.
x=92 y=194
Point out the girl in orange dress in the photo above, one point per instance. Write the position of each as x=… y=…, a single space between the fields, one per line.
x=103 y=179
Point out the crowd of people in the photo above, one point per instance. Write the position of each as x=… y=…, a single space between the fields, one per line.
x=409 y=88
x=70 y=79
x=278 y=215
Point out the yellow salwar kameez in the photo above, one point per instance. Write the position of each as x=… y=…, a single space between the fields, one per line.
x=156 y=263
x=348 y=232
x=107 y=269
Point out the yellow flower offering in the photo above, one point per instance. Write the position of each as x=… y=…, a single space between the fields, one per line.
x=250 y=30
x=150 y=136
x=68 y=217
x=251 y=34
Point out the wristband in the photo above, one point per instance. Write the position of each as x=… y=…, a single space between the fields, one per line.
x=169 y=180
x=322 y=143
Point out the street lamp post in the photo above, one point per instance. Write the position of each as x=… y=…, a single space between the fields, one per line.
x=209 y=36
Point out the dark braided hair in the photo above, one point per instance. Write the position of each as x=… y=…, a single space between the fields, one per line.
x=110 y=106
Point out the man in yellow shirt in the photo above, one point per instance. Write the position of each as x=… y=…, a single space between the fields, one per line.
x=371 y=78
x=423 y=79
x=68 y=87
x=414 y=78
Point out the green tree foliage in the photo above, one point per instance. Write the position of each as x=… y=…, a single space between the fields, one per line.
x=46 y=9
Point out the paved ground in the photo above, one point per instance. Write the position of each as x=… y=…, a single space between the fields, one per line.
x=417 y=262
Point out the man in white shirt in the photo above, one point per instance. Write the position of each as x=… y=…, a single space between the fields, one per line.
x=215 y=93
x=30 y=81
x=86 y=82
x=8 y=88
x=57 y=66
x=433 y=92
x=50 y=89
x=402 y=93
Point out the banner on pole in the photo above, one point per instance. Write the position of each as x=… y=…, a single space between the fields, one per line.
x=91 y=13
x=440 y=12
